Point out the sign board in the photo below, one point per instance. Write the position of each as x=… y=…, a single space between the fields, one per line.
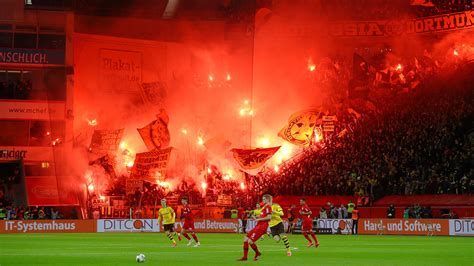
x=31 y=56
x=32 y=110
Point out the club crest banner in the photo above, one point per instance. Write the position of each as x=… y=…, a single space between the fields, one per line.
x=156 y=134
x=300 y=128
x=253 y=158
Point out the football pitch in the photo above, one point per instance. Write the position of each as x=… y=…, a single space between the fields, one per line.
x=225 y=249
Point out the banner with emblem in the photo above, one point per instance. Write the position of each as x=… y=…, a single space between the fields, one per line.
x=151 y=165
x=105 y=141
x=300 y=127
x=253 y=158
x=156 y=134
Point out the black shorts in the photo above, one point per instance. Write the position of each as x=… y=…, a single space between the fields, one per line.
x=277 y=229
x=168 y=227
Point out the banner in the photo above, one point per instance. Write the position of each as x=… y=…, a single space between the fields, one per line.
x=47 y=226
x=120 y=71
x=148 y=164
x=153 y=93
x=300 y=127
x=156 y=134
x=214 y=226
x=404 y=227
x=31 y=56
x=461 y=227
x=253 y=158
x=440 y=23
x=345 y=225
x=127 y=225
x=105 y=142
x=32 y=110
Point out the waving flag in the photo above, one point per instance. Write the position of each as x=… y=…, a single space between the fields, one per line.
x=300 y=127
x=156 y=134
x=253 y=158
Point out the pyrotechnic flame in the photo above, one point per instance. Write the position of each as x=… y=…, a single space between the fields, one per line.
x=228 y=77
x=209 y=170
x=399 y=67
x=251 y=112
x=163 y=184
x=276 y=168
x=200 y=141
x=242 y=112
x=312 y=68
x=102 y=197
x=123 y=145
x=211 y=78
x=246 y=102
x=48 y=133
x=203 y=185
x=184 y=131
x=455 y=53
x=92 y=122
x=318 y=136
x=242 y=185
x=130 y=164
x=226 y=177
x=263 y=142
x=90 y=187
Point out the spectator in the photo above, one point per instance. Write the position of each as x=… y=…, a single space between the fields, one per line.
x=350 y=208
x=355 y=221
x=322 y=213
x=345 y=214
x=391 y=212
x=54 y=214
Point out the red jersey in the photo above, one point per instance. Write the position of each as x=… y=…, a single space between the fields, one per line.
x=305 y=209
x=264 y=212
x=186 y=213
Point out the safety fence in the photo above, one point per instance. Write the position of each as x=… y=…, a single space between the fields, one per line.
x=438 y=227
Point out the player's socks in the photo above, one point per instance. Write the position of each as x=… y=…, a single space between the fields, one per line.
x=187 y=236
x=179 y=236
x=195 y=237
x=246 y=250
x=255 y=248
x=307 y=237
x=287 y=244
x=316 y=242
x=171 y=238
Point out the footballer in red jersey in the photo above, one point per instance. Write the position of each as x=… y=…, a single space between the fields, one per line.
x=260 y=229
x=307 y=225
x=188 y=225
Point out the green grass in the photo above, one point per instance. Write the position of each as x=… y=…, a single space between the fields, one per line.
x=224 y=249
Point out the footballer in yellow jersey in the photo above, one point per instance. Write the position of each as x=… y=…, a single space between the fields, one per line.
x=277 y=228
x=167 y=217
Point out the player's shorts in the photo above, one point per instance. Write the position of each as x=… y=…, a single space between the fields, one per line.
x=257 y=232
x=277 y=229
x=168 y=227
x=307 y=224
x=291 y=219
x=188 y=225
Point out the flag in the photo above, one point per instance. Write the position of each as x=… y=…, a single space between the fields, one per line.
x=151 y=165
x=300 y=127
x=105 y=142
x=359 y=84
x=108 y=163
x=156 y=134
x=253 y=158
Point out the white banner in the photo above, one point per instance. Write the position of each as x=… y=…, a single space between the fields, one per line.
x=461 y=227
x=32 y=110
x=128 y=225
x=344 y=224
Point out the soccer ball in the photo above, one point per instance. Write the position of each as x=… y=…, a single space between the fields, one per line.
x=140 y=258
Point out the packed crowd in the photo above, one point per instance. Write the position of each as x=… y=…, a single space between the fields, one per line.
x=32 y=213
x=416 y=141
